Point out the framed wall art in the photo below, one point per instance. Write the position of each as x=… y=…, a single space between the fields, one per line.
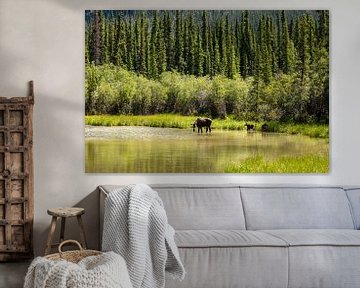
x=206 y=91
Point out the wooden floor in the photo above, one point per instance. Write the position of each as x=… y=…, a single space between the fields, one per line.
x=12 y=274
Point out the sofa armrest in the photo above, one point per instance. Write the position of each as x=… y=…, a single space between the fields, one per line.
x=103 y=195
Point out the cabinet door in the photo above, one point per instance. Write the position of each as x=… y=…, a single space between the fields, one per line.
x=15 y=189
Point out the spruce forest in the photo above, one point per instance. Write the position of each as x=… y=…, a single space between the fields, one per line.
x=243 y=65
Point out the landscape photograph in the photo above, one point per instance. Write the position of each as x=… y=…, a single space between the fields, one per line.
x=207 y=91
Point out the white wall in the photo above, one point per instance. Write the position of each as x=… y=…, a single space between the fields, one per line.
x=43 y=40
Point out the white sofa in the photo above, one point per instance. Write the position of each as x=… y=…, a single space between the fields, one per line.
x=263 y=236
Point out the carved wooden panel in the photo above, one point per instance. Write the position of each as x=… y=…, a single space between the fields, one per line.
x=16 y=177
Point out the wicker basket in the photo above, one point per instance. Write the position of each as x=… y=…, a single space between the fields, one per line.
x=72 y=256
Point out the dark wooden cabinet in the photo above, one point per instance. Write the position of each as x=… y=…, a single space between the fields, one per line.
x=16 y=177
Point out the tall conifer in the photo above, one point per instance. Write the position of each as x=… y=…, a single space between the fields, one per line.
x=179 y=42
x=96 y=43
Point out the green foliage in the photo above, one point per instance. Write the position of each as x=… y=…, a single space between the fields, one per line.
x=113 y=90
x=184 y=122
x=312 y=130
x=313 y=163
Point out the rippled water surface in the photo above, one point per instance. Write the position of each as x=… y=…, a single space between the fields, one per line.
x=165 y=150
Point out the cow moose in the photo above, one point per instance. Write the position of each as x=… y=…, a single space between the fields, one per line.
x=202 y=122
x=250 y=127
x=264 y=128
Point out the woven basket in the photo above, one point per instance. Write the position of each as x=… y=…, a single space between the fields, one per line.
x=72 y=256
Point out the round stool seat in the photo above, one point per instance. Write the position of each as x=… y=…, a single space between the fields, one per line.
x=66 y=211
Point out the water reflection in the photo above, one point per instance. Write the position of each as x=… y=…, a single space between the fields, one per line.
x=166 y=150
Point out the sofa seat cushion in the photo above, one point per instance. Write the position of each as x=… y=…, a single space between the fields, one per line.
x=225 y=238
x=323 y=258
x=317 y=237
x=233 y=267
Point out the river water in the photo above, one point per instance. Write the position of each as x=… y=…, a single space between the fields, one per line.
x=127 y=149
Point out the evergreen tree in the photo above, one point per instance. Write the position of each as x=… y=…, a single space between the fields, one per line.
x=179 y=42
x=191 y=44
x=312 y=36
x=287 y=49
x=216 y=55
x=144 y=43
x=295 y=34
x=199 y=70
x=222 y=46
x=142 y=46
x=323 y=29
x=231 y=70
x=112 y=36
x=209 y=55
x=263 y=53
x=87 y=44
x=304 y=48
x=96 y=43
x=279 y=41
x=121 y=47
x=306 y=44
x=105 y=56
x=186 y=41
x=153 y=65
x=272 y=44
x=161 y=46
x=247 y=46
x=206 y=42
x=147 y=46
x=168 y=40
x=137 y=44
x=130 y=43
x=238 y=43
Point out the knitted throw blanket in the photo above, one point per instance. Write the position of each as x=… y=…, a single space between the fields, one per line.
x=136 y=227
x=103 y=271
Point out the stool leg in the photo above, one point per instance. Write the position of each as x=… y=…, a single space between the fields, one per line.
x=82 y=232
x=51 y=235
x=62 y=231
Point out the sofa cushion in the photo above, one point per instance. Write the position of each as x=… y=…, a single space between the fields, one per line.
x=317 y=237
x=204 y=208
x=324 y=266
x=296 y=208
x=328 y=258
x=191 y=207
x=226 y=238
x=220 y=267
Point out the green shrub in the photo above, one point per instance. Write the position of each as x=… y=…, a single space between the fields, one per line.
x=111 y=89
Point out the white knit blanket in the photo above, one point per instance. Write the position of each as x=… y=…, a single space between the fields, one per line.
x=136 y=227
x=103 y=271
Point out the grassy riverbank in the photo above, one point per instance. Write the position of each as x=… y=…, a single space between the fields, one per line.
x=183 y=122
x=286 y=164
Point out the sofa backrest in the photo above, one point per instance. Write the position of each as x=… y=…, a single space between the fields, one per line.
x=202 y=207
x=296 y=208
x=239 y=207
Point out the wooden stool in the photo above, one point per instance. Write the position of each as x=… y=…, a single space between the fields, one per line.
x=64 y=213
